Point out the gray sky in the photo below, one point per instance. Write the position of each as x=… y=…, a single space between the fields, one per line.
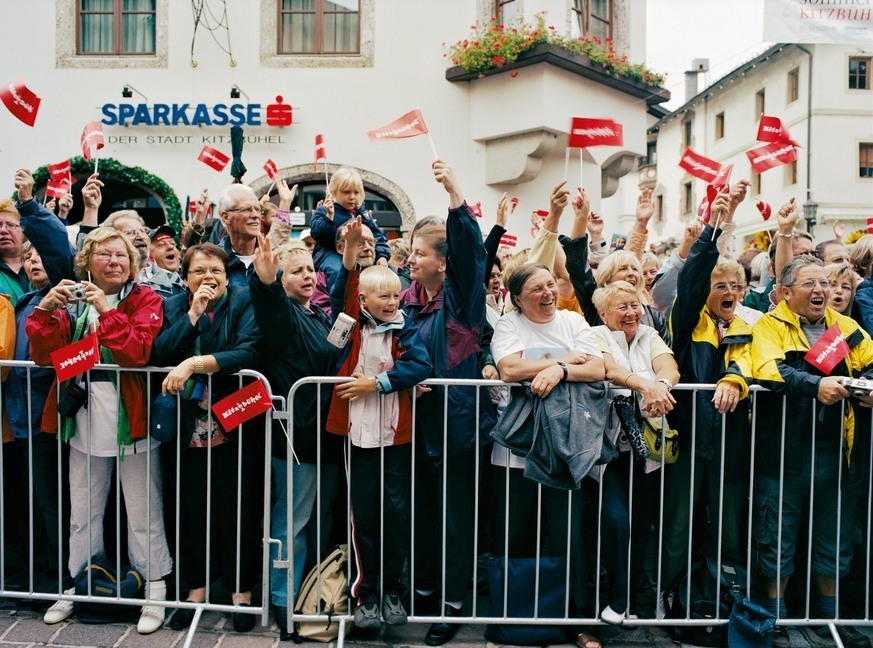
x=678 y=31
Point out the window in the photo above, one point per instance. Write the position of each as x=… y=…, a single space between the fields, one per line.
x=756 y=184
x=687 y=127
x=506 y=11
x=859 y=73
x=793 y=85
x=651 y=152
x=116 y=27
x=865 y=161
x=659 y=208
x=719 y=126
x=791 y=173
x=319 y=27
x=592 y=18
x=759 y=103
x=688 y=198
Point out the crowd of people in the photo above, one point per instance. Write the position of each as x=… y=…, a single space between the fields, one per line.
x=597 y=456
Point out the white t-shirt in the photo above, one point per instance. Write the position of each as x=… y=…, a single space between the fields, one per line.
x=247 y=259
x=514 y=332
x=98 y=423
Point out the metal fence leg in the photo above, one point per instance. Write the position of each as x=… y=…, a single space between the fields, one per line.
x=192 y=630
x=835 y=635
x=341 y=637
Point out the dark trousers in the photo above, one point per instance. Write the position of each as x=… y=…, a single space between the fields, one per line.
x=460 y=486
x=619 y=531
x=222 y=533
x=530 y=508
x=368 y=500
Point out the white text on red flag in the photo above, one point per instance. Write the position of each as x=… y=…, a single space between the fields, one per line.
x=699 y=166
x=771 y=155
x=21 y=101
x=585 y=132
x=213 y=158
x=410 y=125
x=92 y=139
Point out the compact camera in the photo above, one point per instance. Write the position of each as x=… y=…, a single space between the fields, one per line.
x=342 y=329
x=78 y=293
x=858 y=387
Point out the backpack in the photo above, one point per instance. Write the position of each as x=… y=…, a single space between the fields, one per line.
x=104 y=582
x=331 y=599
x=708 y=601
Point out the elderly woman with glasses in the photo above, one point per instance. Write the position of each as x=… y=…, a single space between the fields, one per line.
x=212 y=330
x=123 y=319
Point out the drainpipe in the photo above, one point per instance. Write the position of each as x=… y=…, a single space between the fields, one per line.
x=808 y=124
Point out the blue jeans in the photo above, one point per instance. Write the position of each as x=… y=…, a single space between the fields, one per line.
x=329 y=262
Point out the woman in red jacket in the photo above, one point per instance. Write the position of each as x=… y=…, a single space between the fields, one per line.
x=104 y=430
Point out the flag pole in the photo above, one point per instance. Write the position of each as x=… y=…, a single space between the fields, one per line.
x=566 y=163
x=432 y=146
x=581 y=168
x=326 y=181
x=96 y=161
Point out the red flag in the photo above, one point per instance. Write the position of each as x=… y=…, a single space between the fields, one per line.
x=870 y=225
x=214 y=158
x=721 y=180
x=60 y=171
x=92 y=138
x=764 y=208
x=57 y=189
x=699 y=166
x=770 y=129
x=508 y=240
x=771 y=155
x=586 y=132
x=830 y=349
x=477 y=210
x=320 y=153
x=242 y=405
x=75 y=358
x=542 y=213
x=20 y=101
x=271 y=169
x=703 y=211
x=410 y=125
x=192 y=207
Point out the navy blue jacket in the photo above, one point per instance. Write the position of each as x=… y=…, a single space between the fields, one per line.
x=324 y=229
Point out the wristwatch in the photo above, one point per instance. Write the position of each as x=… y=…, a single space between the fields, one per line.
x=563 y=366
x=666 y=382
x=380 y=388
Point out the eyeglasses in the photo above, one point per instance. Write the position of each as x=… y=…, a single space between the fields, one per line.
x=10 y=226
x=202 y=272
x=106 y=257
x=137 y=230
x=824 y=284
x=724 y=288
x=245 y=210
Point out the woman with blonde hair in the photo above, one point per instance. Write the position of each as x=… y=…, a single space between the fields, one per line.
x=861 y=258
x=844 y=281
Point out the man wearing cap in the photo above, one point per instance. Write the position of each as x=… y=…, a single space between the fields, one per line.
x=306 y=238
x=160 y=271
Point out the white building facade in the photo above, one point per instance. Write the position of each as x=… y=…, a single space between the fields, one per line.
x=822 y=94
x=341 y=68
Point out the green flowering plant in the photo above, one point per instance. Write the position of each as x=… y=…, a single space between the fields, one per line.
x=493 y=45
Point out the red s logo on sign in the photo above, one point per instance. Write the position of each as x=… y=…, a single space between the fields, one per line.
x=279 y=114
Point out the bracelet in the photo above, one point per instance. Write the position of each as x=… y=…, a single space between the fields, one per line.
x=198 y=364
x=791 y=235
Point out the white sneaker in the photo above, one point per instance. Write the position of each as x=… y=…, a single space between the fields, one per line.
x=152 y=616
x=612 y=617
x=60 y=611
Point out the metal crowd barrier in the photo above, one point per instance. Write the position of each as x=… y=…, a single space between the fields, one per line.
x=117 y=555
x=657 y=543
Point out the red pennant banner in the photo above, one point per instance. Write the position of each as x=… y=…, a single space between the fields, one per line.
x=271 y=169
x=192 y=207
x=586 y=132
x=60 y=171
x=764 y=208
x=410 y=125
x=214 y=158
x=92 y=138
x=718 y=183
x=699 y=166
x=20 y=101
x=830 y=349
x=870 y=225
x=703 y=211
x=57 y=189
x=771 y=155
x=770 y=129
x=320 y=153
x=542 y=213
x=234 y=410
x=75 y=358
x=508 y=240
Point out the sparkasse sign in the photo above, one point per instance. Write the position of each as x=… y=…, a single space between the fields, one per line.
x=187 y=114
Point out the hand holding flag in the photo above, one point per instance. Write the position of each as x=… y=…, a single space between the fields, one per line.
x=91 y=140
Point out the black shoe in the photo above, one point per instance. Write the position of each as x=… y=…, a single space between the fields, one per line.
x=243 y=622
x=181 y=618
x=443 y=632
x=280 y=614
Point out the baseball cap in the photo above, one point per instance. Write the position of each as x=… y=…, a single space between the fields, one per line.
x=161 y=231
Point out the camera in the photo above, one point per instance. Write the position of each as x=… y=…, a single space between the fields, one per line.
x=342 y=329
x=78 y=293
x=858 y=387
